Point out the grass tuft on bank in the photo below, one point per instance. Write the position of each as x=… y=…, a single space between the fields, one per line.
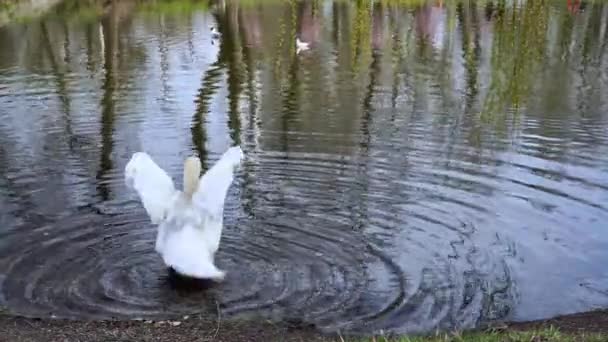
x=545 y=335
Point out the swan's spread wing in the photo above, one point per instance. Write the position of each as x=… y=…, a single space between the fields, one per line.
x=154 y=187
x=213 y=186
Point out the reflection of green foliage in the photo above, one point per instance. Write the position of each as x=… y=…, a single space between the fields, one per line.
x=6 y=7
x=518 y=48
x=83 y=11
x=22 y=12
x=405 y=3
x=254 y=3
x=316 y=7
x=361 y=34
x=280 y=41
x=173 y=6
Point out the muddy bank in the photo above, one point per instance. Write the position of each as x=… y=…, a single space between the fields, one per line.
x=20 y=9
x=192 y=329
x=197 y=329
x=586 y=322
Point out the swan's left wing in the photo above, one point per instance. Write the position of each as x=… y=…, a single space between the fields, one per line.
x=153 y=185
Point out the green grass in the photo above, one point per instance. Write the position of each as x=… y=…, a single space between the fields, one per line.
x=173 y=6
x=546 y=335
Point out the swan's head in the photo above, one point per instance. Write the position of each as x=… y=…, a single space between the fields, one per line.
x=192 y=173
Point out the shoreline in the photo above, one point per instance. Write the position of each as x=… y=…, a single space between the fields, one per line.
x=195 y=328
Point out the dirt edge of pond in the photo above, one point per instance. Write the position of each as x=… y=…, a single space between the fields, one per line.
x=19 y=329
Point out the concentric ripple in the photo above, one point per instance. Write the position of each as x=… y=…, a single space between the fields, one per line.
x=105 y=267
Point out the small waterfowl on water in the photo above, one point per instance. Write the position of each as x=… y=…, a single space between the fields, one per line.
x=301 y=46
x=214 y=33
x=190 y=222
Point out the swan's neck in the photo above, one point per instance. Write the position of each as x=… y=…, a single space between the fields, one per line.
x=192 y=173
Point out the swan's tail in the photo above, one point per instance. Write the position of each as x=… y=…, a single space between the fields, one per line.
x=207 y=271
x=188 y=253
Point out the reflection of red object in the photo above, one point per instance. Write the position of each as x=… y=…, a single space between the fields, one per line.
x=573 y=6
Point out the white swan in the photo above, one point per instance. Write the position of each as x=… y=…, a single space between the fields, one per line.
x=189 y=222
x=301 y=46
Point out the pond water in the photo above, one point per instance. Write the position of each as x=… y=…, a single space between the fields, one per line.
x=420 y=166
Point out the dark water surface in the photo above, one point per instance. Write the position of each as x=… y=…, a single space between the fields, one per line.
x=421 y=166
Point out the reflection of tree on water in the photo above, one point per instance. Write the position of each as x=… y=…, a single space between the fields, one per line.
x=211 y=78
x=308 y=25
x=361 y=37
x=230 y=56
x=518 y=46
x=59 y=77
x=163 y=52
x=114 y=53
x=210 y=84
x=107 y=104
x=470 y=30
x=360 y=199
x=250 y=34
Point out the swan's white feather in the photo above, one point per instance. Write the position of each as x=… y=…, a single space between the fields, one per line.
x=189 y=258
x=213 y=185
x=153 y=185
x=211 y=193
x=189 y=229
x=301 y=46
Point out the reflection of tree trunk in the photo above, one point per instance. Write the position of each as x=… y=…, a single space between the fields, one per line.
x=250 y=71
x=308 y=26
x=230 y=31
x=470 y=27
x=398 y=66
x=164 y=59
x=367 y=101
x=566 y=28
x=360 y=199
x=590 y=59
x=89 y=44
x=470 y=49
x=603 y=28
x=205 y=93
x=190 y=39
x=110 y=35
x=291 y=101
x=249 y=199
x=335 y=23
x=378 y=26
x=361 y=35
x=59 y=79
x=66 y=43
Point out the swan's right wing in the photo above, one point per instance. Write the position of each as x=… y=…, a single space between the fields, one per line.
x=154 y=187
x=213 y=186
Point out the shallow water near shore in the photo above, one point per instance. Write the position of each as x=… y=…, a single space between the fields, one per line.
x=422 y=165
